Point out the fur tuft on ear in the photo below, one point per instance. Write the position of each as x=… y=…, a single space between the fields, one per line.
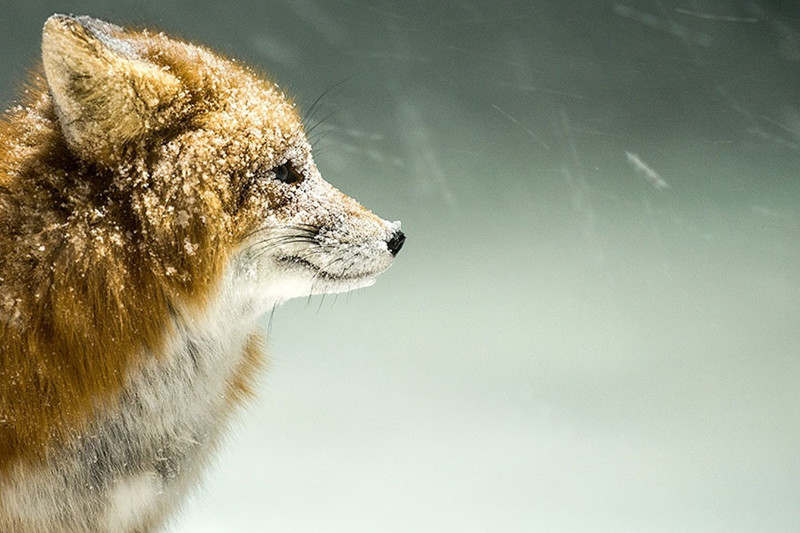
x=105 y=95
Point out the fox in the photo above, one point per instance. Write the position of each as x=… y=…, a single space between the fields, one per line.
x=156 y=198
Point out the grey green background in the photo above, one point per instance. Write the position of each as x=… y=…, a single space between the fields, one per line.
x=562 y=345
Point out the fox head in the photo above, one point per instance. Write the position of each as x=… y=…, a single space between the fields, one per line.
x=142 y=177
x=210 y=156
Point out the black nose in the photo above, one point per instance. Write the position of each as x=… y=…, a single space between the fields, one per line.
x=396 y=242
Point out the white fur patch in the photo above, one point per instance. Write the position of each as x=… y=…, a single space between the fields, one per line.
x=132 y=501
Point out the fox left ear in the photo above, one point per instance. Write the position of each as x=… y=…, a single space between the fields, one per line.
x=105 y=95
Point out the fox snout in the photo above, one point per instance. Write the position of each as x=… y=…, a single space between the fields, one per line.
x=309 y=254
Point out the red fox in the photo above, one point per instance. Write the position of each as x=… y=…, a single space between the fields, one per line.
x=155 y=199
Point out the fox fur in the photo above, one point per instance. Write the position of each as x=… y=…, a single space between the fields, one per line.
x=155 y=199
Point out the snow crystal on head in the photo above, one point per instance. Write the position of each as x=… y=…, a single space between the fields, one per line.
x=103 y=31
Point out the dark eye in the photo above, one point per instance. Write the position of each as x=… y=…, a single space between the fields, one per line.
x=286 y=173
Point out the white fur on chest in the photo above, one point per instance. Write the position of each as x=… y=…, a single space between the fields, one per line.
x=137 y=459
x=131 y=500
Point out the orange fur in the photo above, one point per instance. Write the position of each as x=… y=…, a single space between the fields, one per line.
x=242 y=386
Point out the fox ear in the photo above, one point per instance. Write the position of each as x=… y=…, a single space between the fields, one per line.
x=105 y=95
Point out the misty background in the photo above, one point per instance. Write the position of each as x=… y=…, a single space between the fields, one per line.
x=595 y=322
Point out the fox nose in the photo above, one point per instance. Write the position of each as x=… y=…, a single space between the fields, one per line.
x=396 y=242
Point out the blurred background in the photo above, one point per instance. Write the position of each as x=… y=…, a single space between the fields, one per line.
x=595 y=322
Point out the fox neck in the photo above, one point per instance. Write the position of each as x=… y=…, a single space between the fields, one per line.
x=141 y=453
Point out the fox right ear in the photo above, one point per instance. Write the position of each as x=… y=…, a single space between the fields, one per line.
x=105 y=95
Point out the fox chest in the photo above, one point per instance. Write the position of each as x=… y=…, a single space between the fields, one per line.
x=140 y=455
x=172 y=410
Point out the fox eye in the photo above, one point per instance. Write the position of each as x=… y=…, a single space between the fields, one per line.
x=286 y=173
